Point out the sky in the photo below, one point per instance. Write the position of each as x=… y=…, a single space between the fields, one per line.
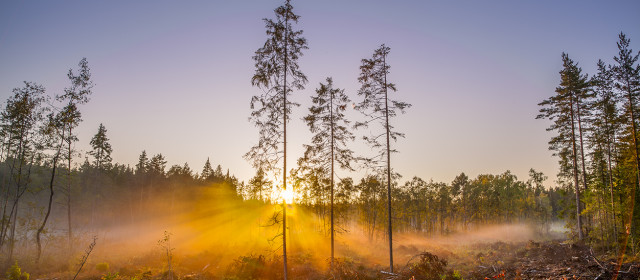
x=173 y=77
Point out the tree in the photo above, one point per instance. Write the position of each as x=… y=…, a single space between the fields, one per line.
x=563 y=110
x=378 y=108
x=327 y=122
x=20 y=119
x=277 y=74
x=605 y=129
x=207 y=172
x=626 y=72
x=78 y=93
x=143 y=163
x=101 y=149
x=257 y=185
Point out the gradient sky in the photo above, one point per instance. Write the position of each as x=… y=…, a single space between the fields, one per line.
x=173 y=77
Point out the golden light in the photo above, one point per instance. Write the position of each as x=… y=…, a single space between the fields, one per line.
x=287 y=195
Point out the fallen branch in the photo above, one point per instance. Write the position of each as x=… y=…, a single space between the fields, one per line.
x=596 y=260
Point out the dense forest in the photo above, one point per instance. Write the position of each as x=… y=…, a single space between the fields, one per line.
x=56 y=203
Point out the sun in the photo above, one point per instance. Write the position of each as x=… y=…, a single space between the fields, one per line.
x=288 y=195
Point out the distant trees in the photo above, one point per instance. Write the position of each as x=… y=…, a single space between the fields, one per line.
x=277 y=74
x=378 y=108
x=259 y=187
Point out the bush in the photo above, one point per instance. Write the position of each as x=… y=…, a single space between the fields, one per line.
x=430 y=267
x=102 y=267
x=15 y=273
x=110 y=276
x=346 y=268
x=255 y=267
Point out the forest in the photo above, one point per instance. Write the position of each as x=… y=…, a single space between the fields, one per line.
x=333 y=213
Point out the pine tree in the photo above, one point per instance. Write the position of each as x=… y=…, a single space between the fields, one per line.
x=605 y=130
x=277 y=74
x=626 y=72
x=258 y=184
x=378 y=108
x=207 y=172
x=563 y=109
x=143 y=163
x=101 y=149
x=327 y=122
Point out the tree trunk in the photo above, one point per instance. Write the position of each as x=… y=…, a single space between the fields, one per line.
x=613 y=208
x=386 y=108
x=584 y=171
x=332 y=173
x=575 y=172
x=635 y=194
x=46 y=217
x=284 y=165
x=70 y=233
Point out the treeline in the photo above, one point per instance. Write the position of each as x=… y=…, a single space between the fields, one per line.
x=596 y=124
x=46 y=194
x=432 y=208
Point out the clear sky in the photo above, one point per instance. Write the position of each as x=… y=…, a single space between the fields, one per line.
x=173 y=77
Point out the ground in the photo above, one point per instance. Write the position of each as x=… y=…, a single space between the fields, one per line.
x=540 y=260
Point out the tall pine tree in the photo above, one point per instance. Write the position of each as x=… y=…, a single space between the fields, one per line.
x=329 y=126
x=277 y=74
x=563 y=110
x=378 y=108
x=626 y=72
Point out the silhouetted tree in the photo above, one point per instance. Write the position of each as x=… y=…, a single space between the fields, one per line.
x=378 y=108
x=207 y=172
x=78 y=93
x=277 y=74
x=257 y=185
x=101 y=149
x=327 y=122
x=20 y=119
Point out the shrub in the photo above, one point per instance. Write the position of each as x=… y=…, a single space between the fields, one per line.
x=102 y=267
x=430 y=267
x=15 y=273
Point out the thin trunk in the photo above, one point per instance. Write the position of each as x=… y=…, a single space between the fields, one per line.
x=386 y=109
x=584 y=172
x=7 y=183
x=17 y=201
x=46 y=217
x=613 y=208
x=12 y=239
x=332 y=171
x=284 y=168
x=70 y=233
x=637 y=159
x=575 y=172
